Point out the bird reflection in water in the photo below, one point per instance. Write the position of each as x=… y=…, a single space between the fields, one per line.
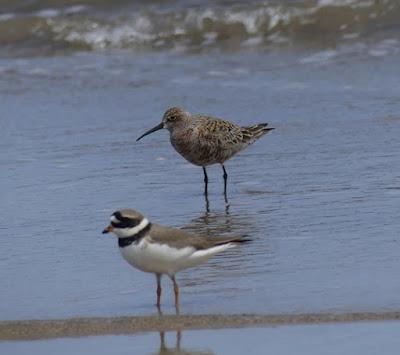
x=227 y=266
x=220 y=223
x=177 y=349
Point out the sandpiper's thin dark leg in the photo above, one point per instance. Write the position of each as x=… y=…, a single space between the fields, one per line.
x=205 y=181
x=158 y=276
x=176 y=291
x=225 y=182
x=162 y=341
x=226 y=206
x=206 y=189
x=207 y=203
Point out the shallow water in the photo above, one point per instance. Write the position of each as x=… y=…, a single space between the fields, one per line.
x=355 y=338
x=320 y=195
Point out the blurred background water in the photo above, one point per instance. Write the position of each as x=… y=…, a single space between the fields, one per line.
x=320 y=195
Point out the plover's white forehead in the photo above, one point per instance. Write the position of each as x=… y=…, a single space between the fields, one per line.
x=114 y=219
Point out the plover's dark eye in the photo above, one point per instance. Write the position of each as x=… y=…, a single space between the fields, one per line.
x=116 y=215
x=123 y=222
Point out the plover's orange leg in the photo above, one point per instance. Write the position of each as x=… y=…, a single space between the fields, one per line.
x=178 y=340
x=176 y=291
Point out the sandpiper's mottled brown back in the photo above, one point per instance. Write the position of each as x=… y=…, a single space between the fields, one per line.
x=206 y=140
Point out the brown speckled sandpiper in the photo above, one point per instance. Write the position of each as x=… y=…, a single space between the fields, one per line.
x=204 y=140
x=163 y=250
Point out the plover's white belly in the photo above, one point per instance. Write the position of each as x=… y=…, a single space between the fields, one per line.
x=162 y=259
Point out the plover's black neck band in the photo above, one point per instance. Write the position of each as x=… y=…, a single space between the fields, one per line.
x=124 y=242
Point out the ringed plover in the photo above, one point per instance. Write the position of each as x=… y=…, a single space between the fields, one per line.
x=163 y=250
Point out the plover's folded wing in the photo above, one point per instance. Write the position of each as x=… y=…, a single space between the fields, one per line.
x=179 y=238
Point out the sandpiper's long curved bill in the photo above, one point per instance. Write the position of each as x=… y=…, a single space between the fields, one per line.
x=156 y=128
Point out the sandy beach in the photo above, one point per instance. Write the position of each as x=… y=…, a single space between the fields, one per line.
x=82 y=327
x=319 y=196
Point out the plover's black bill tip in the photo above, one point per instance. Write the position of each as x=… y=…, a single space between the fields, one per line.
x=107 y=230
x=156 y=128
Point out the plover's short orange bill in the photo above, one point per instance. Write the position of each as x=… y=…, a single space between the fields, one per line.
x=163 y=250
x=205 y=140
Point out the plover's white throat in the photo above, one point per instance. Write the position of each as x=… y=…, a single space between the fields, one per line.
x=163 y=250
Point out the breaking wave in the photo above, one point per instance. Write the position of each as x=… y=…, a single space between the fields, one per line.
x=95 y=25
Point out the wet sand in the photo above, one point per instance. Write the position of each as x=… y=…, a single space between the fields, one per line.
x=78 y=327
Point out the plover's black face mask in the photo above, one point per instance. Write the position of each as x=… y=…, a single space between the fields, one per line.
x=118 y=221
x=124 y=226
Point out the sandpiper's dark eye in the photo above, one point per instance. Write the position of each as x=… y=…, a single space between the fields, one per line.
x=172 y=118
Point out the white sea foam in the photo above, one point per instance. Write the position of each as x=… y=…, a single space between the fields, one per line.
x=378 y=52
x=48 y=13
x=253 y=41
x=337 y=3
x=75 y=9
x=351 y=35
x=319 y=57
x=5 y=17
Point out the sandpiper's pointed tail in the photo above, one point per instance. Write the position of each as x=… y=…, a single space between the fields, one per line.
x=252 y=133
